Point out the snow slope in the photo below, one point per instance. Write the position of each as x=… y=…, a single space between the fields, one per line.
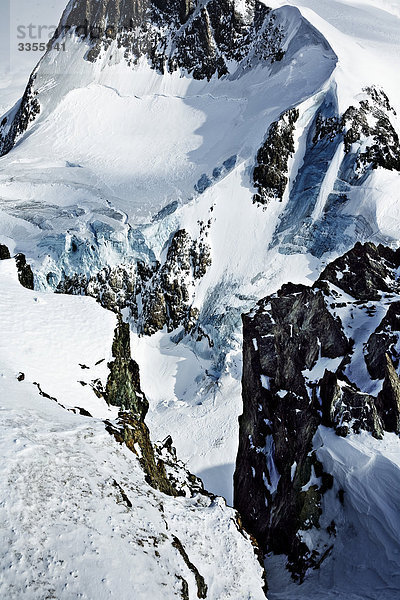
x=77 y=516
x=57 y=354
x=166 y=139
x=364 y=564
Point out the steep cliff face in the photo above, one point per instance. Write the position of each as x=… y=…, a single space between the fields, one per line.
x=320 y=355
x=201 y=37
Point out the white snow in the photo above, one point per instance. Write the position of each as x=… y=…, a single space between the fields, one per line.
x=365 y=561
x=265 y=382
x=66 y=528
x=47 y=337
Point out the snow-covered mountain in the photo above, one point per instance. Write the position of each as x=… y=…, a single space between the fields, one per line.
x=179 y=161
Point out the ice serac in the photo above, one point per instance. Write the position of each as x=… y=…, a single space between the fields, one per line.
x=156 y=295
x=310 y=359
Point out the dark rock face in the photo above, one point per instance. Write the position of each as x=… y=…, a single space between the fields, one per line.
x=157 y=295
x=297 y=375
x=25 y=274
x=13 y=126
x=123 y=384
x=4 y=252
x=200 y=37
x=383 y=341
x=375 y=264
x=388 y=401
x=345 y=408
x=368 y=126
x=270 y=175
x=281 y=415
x=167 y=302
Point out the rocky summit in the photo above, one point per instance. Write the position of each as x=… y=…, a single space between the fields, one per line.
x=199 y=36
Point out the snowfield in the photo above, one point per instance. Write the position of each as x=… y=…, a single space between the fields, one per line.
x=56 y=341
x=78 y=519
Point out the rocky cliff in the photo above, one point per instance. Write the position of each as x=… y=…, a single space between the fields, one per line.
x=199 y=36
x=321 y=355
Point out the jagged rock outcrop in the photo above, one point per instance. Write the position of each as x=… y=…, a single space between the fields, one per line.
x=200 y=37
x=157 y=295
x=347 y=409
x=114 y=288
x=168 y=300
x=367 y=127
x=388 y=401
x=25 y=273
x=4 y=252
x=17 y=122
x=384 y=341
x=302 y=369
x=163 y=470
x=270 y=175
x=182 y=481
x=123 y=384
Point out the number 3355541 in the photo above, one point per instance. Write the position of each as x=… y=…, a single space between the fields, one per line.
x=38 y=47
